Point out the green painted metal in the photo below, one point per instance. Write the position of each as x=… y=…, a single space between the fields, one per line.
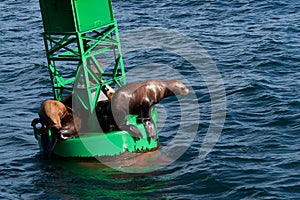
x=79 y=31
x=69 y=16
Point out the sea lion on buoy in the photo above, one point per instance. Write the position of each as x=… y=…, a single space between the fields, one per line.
x=51 y=112
x=104 y=97
x=70 y=124
x=104 y=116
x=106 y=94
x=60 y=120
x=54 y=114
x=138 y=98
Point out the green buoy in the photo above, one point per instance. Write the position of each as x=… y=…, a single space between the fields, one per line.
x=84 y=54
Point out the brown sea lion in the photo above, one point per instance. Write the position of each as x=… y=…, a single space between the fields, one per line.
x=51 y=112
x=63 y=124
x=105 y=90
x=104 y=97
x=138 y=98
x=54 y=114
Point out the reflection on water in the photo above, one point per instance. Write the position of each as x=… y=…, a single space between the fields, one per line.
x=88 y=178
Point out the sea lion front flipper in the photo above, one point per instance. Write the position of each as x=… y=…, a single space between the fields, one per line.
x=49 y=142
x=148 y=121
x=132 y=130
x=150 y=128
x=49 y=150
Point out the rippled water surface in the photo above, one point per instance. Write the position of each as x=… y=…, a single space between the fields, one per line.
x=256 y=48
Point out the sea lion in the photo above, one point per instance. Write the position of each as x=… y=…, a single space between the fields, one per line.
x=70 y=126
x=104 y=97
x=63 y=124
x=138 y=98
x=106 y=94
x=105 y=116
x=51 y=112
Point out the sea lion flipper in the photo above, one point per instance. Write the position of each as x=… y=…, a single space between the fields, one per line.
x=136 y=132
x=132 y=130
x=49 y=142
x=150 y=128
x=49 y=150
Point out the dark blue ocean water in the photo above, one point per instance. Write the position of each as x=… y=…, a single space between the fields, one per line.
x=256 y=47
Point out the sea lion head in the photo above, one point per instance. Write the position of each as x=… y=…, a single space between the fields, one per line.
x=177 y=87
x=108 y=91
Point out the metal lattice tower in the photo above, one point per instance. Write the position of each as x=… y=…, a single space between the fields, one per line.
x=76 y=34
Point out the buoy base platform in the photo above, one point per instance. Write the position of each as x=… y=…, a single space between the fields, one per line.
x=103 y=144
